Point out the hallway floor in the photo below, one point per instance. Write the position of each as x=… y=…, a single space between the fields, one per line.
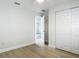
x=34 y=51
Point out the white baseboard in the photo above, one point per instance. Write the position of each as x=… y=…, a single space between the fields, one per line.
x=15 y=47
x=52 y=46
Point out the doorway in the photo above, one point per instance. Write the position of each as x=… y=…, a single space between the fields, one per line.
x=41 y=30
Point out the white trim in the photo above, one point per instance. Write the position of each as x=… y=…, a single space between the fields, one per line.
x=15 y=47
x=52 y=46
x=75 y=51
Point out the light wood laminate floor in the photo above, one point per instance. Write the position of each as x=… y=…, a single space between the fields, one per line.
x=34 y=51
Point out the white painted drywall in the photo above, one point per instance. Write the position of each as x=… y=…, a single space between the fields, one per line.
x=51 y=27
x=52 y=10
x=16 y=25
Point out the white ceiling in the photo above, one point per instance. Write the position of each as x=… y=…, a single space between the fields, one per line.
x=33 y=5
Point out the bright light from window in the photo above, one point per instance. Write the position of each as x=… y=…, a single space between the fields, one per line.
x=40 y=1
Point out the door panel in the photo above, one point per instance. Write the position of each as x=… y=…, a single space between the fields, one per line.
x=39 y=30
x=75 y=30
x=63 y=30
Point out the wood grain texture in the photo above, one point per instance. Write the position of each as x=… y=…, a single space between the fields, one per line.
x=34 y=51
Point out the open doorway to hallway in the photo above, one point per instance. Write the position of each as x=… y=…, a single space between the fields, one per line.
x=41 y=29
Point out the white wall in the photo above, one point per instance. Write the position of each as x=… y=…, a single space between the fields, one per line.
x=52 y=27
x=52 y=10
x=16 y=25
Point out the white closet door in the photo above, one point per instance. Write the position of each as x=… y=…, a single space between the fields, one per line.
x=63 y=30
x=75 y=30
